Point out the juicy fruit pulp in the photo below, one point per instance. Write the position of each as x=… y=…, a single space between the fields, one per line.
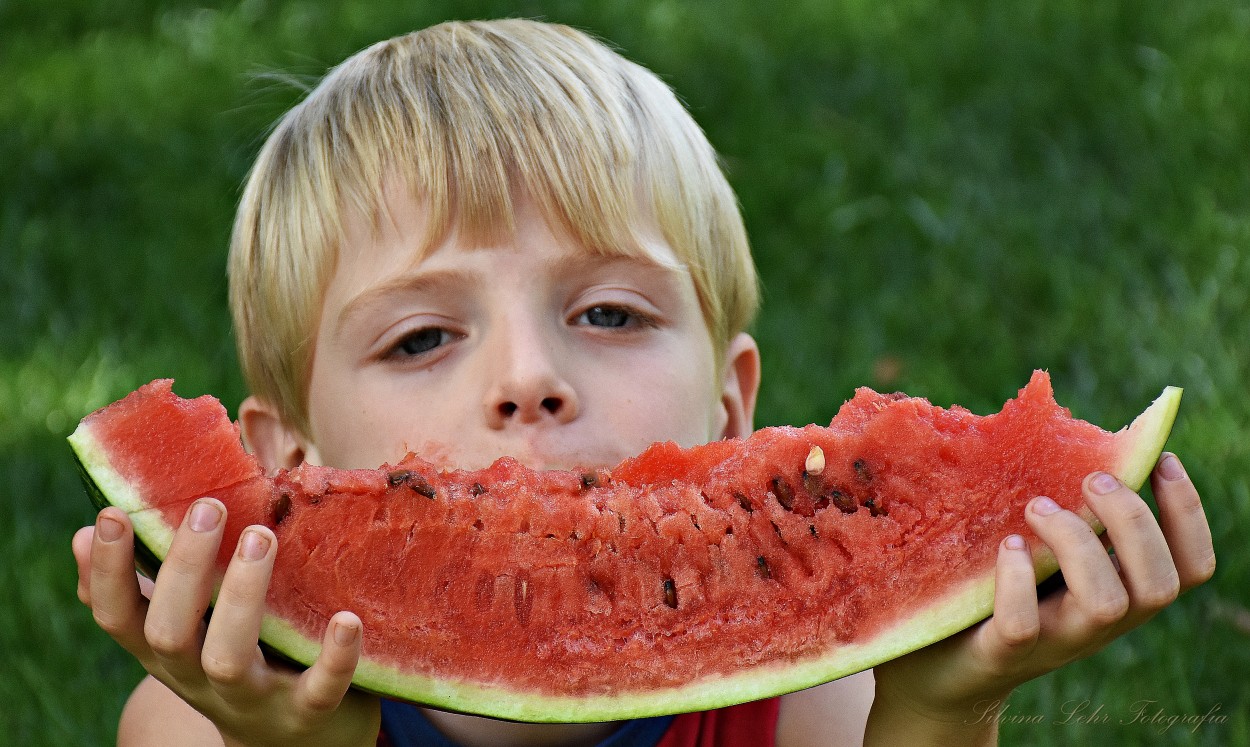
x=676 y=580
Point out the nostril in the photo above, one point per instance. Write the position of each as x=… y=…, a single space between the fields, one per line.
x=509 y=409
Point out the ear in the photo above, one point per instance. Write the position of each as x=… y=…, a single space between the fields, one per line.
x=741 y=385
x=275 y=444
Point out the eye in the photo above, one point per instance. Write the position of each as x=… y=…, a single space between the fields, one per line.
x=607 y=316
x=421 y=341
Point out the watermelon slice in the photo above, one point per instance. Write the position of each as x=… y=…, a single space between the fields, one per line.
x=680 y=579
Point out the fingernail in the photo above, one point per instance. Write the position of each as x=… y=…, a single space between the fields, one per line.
x=1044 y=506
x=344 y=634
x=1170 y=468
x=205 y=516
x=1103 y=483
x=108 y=529
x=1014 y=542
x=254 y=545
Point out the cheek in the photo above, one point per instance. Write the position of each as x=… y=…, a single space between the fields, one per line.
x=676 y=402
x=364 y=438
x=357 y=423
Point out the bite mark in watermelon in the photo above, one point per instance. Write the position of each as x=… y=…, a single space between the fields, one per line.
x=680 y=579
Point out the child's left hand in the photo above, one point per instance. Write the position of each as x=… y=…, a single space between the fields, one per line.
x=1104 y=596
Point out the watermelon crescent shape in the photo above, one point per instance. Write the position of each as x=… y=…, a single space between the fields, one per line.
x=677 y=580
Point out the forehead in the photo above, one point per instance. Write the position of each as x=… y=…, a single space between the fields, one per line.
x=408 y=227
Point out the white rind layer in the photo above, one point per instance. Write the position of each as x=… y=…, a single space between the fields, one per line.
x=148 y=523
x=1142 y=441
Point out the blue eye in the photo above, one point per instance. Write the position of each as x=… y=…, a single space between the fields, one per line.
x=607 y=316
x=422 y=341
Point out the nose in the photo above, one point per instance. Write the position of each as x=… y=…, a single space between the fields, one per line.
x=527 y=385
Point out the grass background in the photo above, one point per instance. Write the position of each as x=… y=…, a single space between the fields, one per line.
x=942 y=197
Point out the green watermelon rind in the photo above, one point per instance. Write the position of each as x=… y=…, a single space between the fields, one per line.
x=1139 y=446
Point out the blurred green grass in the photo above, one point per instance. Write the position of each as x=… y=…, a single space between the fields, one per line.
x=941 y=198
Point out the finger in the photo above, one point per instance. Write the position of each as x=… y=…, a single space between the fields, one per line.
x=1145 y=563
x=1183 y=521
x=231 y=658
x=322 y=686
x=1095 y=598
x=116 y=604
x=81 y=547
x=184 y=584
x=145 y=585
x=1012 y=632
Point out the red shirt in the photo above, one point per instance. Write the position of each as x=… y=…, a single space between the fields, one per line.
x=745 y=725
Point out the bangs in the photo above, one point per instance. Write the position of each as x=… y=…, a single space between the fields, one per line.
x=470 y=120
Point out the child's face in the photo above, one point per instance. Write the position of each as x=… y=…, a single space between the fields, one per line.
x=533 y=348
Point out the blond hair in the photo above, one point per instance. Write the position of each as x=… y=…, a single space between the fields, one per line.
x=465 y=114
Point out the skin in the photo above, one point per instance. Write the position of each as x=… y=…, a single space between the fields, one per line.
x=534 y=348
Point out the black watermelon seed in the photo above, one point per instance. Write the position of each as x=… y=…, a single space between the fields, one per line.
x=476 y=489
x=281 y=507
x=398 y=477
x=670 y=593
x=421 y=487
x=844 y=502
x=785 y=496
x=742 y=501
x=762 y=566
x=589 y=480
x=862 y=471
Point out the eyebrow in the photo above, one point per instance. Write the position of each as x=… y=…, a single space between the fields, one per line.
x=415 y=282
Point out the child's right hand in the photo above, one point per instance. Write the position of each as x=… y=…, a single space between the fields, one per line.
x=218 y=668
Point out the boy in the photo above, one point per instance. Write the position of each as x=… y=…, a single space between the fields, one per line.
x=502 y=238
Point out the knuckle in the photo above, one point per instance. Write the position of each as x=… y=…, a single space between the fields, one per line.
x=338 y=665
x=1108 y=610
x=318 y=701
x=1074 y=529
x=224 y=670
x=166 y=641
x=1019 y=631
x=1202 y=571
x=1137 y=513
x=1161 y=593
x=109 y=623
x=234 y=601
x=1190 y=505
x=184 y=564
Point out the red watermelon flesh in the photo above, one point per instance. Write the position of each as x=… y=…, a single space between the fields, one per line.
x=677 y=580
